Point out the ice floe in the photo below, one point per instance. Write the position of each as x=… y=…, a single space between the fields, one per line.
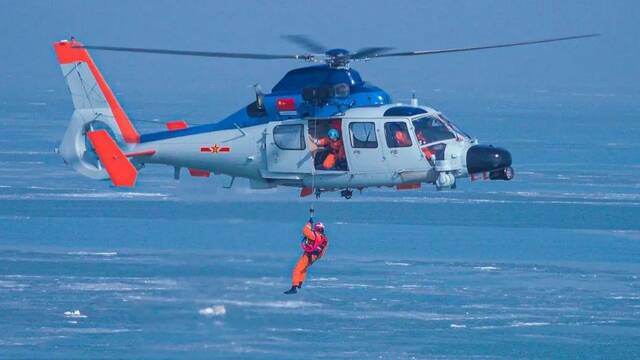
x=76 y=314
x=285 y=304
x=89 y=253
x=487 y=268
x=217 y=310
x=391 y=263
x=524 y=324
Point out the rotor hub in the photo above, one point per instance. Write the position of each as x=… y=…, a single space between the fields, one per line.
x=338 y=58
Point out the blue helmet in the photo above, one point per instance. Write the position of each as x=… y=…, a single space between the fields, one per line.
x=333 y=134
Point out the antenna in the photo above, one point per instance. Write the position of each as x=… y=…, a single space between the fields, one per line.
x=414 y=99
x=259 y=96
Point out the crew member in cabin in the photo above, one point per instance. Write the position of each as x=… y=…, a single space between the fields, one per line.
x=402 y=138
x=336 y=158
x=314 y=244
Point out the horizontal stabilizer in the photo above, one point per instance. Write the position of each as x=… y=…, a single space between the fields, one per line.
x=118 y=166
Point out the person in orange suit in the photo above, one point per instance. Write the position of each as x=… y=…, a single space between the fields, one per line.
x=402 y=138
x=336 y=154
x=314 y=245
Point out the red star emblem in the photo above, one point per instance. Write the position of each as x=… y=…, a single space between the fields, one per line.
x=215 y=149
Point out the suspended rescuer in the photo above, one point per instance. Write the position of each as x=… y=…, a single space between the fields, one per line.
x=314 y=244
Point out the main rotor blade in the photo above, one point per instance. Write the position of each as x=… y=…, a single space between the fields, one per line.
x=369 y=52
x=431 y=52
x=198 y=53
x=307 y=43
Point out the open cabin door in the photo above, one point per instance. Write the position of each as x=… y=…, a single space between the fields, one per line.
x=287 y=150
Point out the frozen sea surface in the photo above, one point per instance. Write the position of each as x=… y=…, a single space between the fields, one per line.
x=203 y=305
x=545 y=266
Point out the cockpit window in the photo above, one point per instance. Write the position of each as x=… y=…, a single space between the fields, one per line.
x=430 y=129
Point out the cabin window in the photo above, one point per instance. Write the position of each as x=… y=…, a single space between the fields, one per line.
x=397 y=134
x=363 y=135
x=289 y=137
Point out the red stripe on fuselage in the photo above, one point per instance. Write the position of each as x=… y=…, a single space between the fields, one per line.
x=408 y=186
x=199 y=173
x=176 y=125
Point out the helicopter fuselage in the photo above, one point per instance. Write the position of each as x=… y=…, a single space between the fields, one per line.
x=282 y=152
x=274 y=140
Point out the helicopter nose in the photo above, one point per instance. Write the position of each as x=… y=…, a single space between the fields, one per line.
x=481 y=158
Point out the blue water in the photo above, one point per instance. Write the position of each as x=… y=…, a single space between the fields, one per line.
x=545 y=266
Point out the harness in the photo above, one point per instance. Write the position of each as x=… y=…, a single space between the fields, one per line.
x=313 y=247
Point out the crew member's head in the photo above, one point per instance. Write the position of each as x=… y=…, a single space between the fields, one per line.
x=333 y=134
x=319 y=227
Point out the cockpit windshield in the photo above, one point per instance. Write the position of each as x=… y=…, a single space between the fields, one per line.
x=454 y=126
x=430 y=129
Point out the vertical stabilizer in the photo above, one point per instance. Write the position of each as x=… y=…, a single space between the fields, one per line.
x=88 y=88
x=96 y=108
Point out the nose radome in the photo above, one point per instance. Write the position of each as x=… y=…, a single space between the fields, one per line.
x=481 y=158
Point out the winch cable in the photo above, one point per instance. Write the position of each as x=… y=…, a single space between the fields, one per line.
x=312 y=209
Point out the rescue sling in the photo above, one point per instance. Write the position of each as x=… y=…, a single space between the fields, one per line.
x=310 y=245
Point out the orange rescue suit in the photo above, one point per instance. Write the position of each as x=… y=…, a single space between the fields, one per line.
x=402 y=138
x=320 y=243
x=336 y=152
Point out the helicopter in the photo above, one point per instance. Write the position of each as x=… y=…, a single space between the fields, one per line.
x=274 y=140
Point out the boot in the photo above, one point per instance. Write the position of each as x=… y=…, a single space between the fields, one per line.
x=293 y=290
